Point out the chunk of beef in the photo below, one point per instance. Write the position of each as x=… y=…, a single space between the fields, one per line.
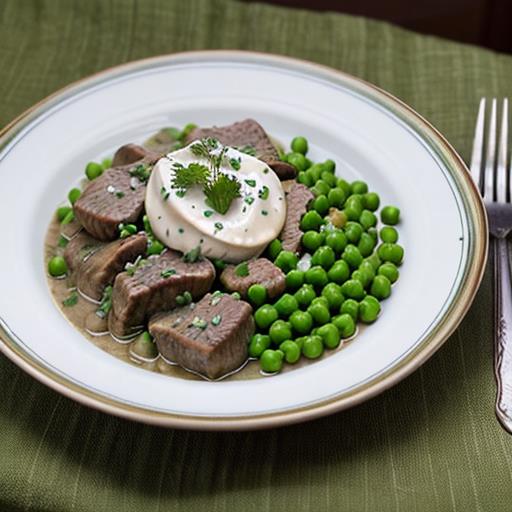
x=114 y=197
x=164 y=141
x=210 y=339
x=153 y=287
x=80 y=248
x=247 y=133
x=102 y=266
x=261 y=271
x=131 y=153
x=297 y=200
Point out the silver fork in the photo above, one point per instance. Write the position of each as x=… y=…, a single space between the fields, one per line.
x=491 y=173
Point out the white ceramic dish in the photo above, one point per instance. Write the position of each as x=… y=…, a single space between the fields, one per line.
x=370 y=135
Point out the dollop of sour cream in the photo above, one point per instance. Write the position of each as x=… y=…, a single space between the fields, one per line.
x=185 y=221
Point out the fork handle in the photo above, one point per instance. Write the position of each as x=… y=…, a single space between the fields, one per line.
x=503 y=332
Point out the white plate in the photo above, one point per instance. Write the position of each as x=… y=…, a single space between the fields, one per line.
x=368 y=133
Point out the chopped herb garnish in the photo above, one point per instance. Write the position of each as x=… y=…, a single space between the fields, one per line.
x=204 y=147
x=208 y=213
x=244 y=209
x=248 y=150
x=216 y=297
x=63 y=241
x=141 y=172
x=216 y=320
x=184 y=299
x=68 y=218
x=125 y=230
x=119 y=194
x=181 y=231
x=71 y=300
x=168 y=273
x=236 y=296
x=242 y=269
x=131 y=268
x=221 y=192
x=264 y=212
x=200 y=323
x=186 y=177
x=251 y=183
x=265 y=171
x=164 y=193
x=249 y=200
x=181 y=193
x=219 y=226
x=106 y=302
x=193 y=255
x=219 y=264
x=263 y=192
x=235 y=163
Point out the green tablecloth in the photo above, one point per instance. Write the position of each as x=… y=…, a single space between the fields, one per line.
x=430 y=443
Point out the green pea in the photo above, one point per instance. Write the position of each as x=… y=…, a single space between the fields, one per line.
x=312 y=240
x=339 y=272
x=317 y=276
x=294 y=279
x=389 y=270
x=313 y=347
x=344 y=185
x=391 y=252
x=330 y=335
x=291 y=351
x=358 y=187
x=305 y=295
x=371 y=201
x=321 y=187
x=324 y=256
x=257 y=294
x=93 y=170
x=353 y=289
x=390 y=215
x=374 y=261
x=332 y=292
x=362 y=277
x=346 y=325
x=369 y=310
x=320 y=313
x=271 y=361
x=353 y=207
x=280 y=331
x=389 y=235
x=286 y=305
x=265 y=315
x=329 y=178
x=155 y=247
x=352 y=256
x=258 y=344
x=321 y=204
x=367 y=269
x=311 y=220
x=63 y=211
x=106 y=163
x=353 y=231
x=381 y=287
x=301 y=321
x=374 y=234
x=336 y=240
x=300 y=341
x=286 y=261
x=350 y=307
x=315 y=171
x=366 y=244
x=336 y=197
x=74 y=194
x=329 y=166
x=57 y=266
x=305 y=178
x=299 y=145
x=274 y=248
x=321 y=300
x=298 y=160
x=368 y=219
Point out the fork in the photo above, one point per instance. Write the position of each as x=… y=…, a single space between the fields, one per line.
x=492 y=176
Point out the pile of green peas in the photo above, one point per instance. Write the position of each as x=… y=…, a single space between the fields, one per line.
x=353 y=265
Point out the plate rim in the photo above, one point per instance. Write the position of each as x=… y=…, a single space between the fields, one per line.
x=420 y=354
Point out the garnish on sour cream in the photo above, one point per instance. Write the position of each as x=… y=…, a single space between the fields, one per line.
x=186 y=217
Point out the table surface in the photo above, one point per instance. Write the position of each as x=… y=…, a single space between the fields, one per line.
x=429 y=443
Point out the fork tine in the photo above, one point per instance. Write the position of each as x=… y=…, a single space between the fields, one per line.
x=478 y=145
x=501 y=169
x=490 y=156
